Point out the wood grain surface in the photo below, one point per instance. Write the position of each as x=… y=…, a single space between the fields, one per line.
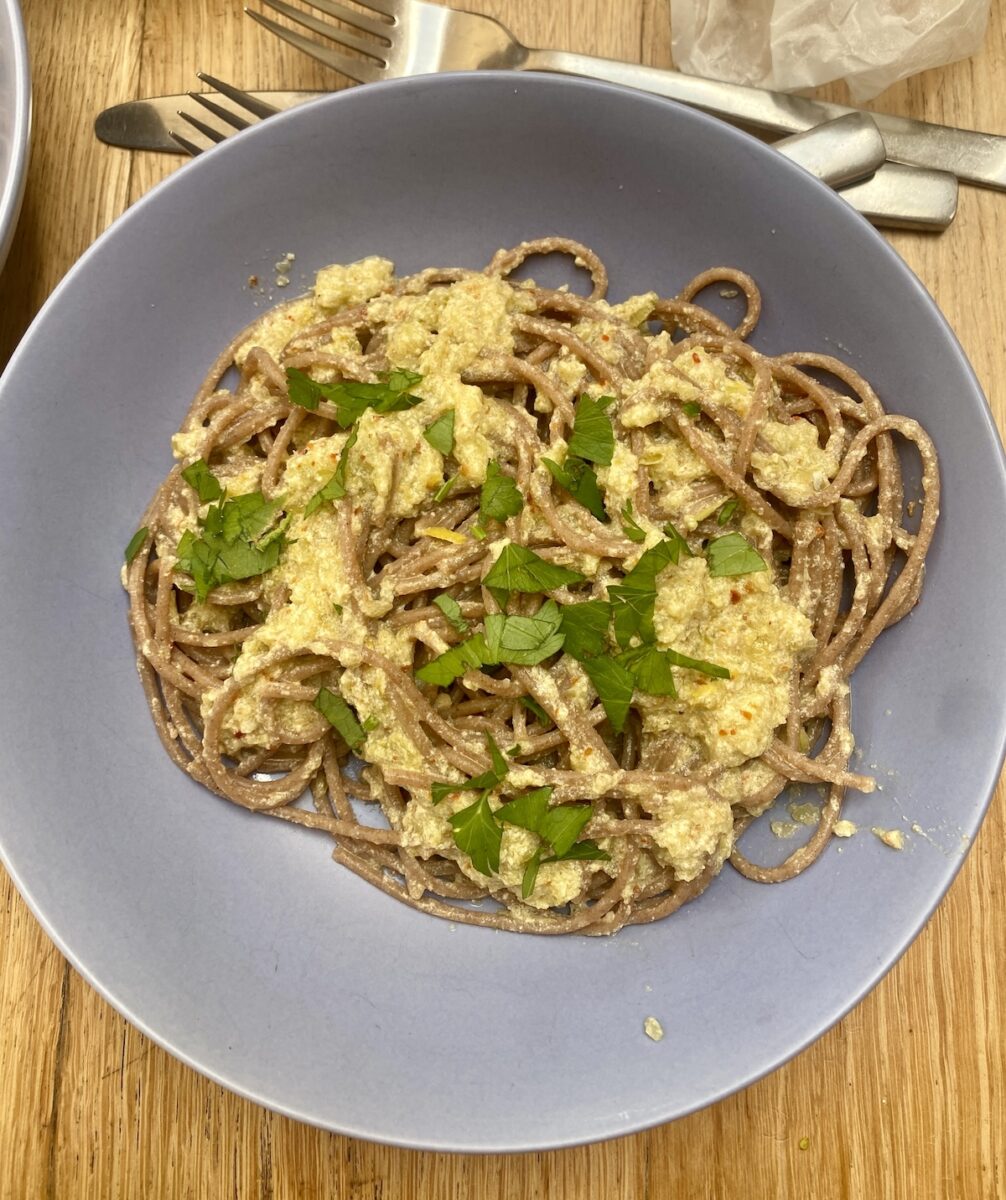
x=903 y=1098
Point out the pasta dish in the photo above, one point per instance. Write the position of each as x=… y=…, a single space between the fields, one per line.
x=529 y=600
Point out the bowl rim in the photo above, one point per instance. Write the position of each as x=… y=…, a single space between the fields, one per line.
x=12 y=187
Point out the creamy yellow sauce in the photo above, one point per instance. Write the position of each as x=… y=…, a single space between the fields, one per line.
x=745 y=623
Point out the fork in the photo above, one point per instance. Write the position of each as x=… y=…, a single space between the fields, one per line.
x=256 y=109
x=395 y=38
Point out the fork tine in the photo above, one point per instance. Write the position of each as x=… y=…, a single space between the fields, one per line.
x=248 y=102
x=218 y=110
x=189 y=147
x=206 y=130
x=353 y=16
x=341 y=37
x=354 y=68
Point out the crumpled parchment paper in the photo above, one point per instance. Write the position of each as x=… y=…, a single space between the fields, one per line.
x=789 y=44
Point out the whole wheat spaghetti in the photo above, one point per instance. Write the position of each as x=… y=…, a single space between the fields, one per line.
x=570 y=591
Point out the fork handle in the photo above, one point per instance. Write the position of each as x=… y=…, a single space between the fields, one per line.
x=976 y=157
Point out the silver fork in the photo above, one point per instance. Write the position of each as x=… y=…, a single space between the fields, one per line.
x=394 y=38
x=256 y=109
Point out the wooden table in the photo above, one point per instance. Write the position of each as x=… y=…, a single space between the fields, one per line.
x=905 y=1097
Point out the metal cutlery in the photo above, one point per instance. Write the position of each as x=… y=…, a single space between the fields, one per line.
x=838 y=152
x=393 y=38
x=157 y=122
x=901 y=197
x=893 y=195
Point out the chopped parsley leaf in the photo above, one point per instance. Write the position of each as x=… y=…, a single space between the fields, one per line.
x=479 y=783
x=679 y=546
x=530 y=876
x=479 y=835
x=452 y=611
x=469 y=655
x=630 y=526
x=634 y=598
x=341 y=717
x=234 y=543
x=335 y=489
x=562 y=825
x=585 y=627
x=696 y=664
x=536 y=710
x=727 y=511
x=587 y=849
x=650 y=669
x=733 y=554
x=445 y=489
x=302 y=389
x=440 y=434
x=135 y=542
x=578 y=478
x=593 y=437
x=389 y=394
x=524 y=640
x=614 y=685
x=199 y=476
x=559 y=826
x=500 y=497
x=528 y=811
x=519 y=569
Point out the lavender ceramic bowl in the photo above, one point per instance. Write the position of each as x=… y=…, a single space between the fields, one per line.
x=235 y=942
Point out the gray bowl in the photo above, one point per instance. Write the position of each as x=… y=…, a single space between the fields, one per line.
x=235 y=942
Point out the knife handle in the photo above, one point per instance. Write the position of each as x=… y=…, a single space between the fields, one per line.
x=848 y=154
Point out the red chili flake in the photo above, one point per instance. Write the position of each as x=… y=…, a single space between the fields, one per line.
x=238 y=733
x=745 y=714
x=735 y=596
x=696 y=358
x=605 y=338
